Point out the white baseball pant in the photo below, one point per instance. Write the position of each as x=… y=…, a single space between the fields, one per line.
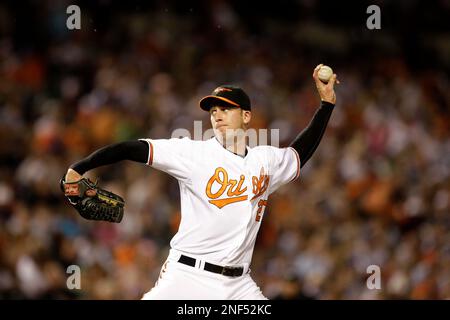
x=178 y=281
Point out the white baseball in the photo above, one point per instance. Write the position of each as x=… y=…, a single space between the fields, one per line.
x=325 y=73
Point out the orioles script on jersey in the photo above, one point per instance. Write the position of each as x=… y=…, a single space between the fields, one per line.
x=233 y=188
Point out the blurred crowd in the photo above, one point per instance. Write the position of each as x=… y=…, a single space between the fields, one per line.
x=375 y=193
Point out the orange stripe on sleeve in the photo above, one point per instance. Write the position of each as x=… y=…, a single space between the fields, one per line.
x=150 y=153
x=298 y=164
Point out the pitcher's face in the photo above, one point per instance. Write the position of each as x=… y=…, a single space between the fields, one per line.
x=227 y=122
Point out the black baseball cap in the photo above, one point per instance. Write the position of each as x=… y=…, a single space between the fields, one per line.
x=226 y=95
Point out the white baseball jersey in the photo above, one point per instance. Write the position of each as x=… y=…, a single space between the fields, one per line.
x=223 y=195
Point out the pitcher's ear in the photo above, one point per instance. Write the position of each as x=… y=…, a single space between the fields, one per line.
x=246 y=116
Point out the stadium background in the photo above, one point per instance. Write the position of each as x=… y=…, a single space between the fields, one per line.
x=375 y=193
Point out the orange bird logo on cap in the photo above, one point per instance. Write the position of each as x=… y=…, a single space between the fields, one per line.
x=220 y=89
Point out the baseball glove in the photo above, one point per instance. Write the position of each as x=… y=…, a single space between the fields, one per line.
x=93 y=202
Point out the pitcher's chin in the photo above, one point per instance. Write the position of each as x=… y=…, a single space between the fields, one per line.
x=220 y=135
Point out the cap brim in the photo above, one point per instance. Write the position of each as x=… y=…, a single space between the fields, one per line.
x=209 y=101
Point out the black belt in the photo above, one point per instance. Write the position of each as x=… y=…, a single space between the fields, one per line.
x=226 y=271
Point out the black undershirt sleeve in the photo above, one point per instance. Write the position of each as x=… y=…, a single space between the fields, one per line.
x=308 y=140
x=134 y=150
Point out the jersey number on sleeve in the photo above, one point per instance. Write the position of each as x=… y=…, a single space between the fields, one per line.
x=261 y=204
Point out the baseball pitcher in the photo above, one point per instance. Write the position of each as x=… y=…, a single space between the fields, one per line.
x=224 y=189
